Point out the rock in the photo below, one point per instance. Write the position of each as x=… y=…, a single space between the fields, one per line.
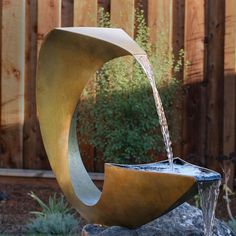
x=185 y=220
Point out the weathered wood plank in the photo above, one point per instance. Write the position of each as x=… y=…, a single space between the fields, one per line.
x=49 y=17
x=67 y=14
x=230 y=84
x=29 y=150
x=178 y=11
x=33 y=151
x=194 y=40
x=85 y=13
x=12 y=82
x=194 y=111
x=178 y=16
x=194 y=123
x=215 y=80
x=123 y=15
x=159 y=18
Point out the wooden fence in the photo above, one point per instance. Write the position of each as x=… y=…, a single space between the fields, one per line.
x=205 y=29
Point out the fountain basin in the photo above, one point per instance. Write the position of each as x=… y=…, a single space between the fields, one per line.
x=148 y=191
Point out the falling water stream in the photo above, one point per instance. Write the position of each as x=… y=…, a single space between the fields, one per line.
x=208 y=191
x=144 y=62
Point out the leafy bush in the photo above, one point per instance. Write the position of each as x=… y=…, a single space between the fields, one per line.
x=56 y=218
x=122 y=121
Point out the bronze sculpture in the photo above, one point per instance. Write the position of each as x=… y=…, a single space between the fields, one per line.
x=68 y=59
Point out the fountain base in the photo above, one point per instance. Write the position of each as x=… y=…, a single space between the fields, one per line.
x=184 y=220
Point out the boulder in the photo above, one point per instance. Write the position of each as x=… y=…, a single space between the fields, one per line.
x=185 y=220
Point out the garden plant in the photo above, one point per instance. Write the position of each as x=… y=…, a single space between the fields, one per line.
x=56 y=218
x=117 y=113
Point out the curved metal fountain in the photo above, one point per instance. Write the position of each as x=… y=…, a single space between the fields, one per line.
x=68 y=58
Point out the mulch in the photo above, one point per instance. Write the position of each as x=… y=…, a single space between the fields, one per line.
x=16 y=204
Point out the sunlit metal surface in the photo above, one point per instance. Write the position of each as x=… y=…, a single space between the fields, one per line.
x=68 y=58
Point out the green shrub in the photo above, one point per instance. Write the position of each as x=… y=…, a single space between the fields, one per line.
x=122 y=122
x=53 y=224
x=55 y=205
x=56 y=218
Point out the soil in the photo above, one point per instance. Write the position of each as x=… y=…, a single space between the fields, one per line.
x=16 y=204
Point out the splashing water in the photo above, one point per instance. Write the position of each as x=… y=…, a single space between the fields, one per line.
x=208 y=193
x=180 y=167
x=144 y=62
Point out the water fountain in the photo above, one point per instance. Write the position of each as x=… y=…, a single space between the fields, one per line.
x=132 y=195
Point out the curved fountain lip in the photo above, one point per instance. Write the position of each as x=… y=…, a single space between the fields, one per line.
x=181 y=167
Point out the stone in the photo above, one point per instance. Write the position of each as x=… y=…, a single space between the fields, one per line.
x=185 y=220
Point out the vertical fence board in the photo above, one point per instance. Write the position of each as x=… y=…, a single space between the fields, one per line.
x=215 y=80
x=122 y=15
x=12 y=82
x=159 y=18
x=67 y=14
x=195 y=95
x=178 y=27
x=85 y=13
x=29 y=151
x=178 y=9
x=49 y=17
x=230 y=83
x=194 y=40
x=33 y=150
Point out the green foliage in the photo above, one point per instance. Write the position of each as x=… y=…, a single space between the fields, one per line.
x=55 y=205
x=122 y=121
x=53 y=224
x=56 y=218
